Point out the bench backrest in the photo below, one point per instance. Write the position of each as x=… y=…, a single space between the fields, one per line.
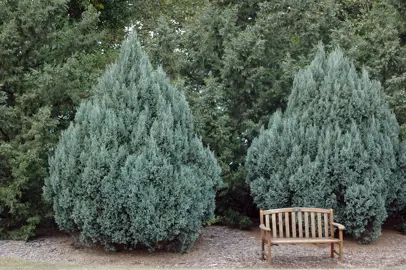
x=298 y=222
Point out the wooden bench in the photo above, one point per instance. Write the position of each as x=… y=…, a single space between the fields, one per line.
x=300 y=226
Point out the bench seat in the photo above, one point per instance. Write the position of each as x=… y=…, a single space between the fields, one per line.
x=314 y=240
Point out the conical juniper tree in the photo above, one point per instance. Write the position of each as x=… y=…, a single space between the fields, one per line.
x=336 y=146
x=130 y=170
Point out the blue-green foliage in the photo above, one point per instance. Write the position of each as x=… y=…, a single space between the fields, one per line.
x=336 y=146
x=130 y=170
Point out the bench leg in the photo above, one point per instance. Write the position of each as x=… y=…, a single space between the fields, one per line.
x=262 y=248
x=332 y=250
x=269 y=248
x=341 y=245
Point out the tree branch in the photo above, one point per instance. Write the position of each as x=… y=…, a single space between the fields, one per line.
x=5 y=137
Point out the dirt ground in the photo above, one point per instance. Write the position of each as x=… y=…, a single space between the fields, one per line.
x=217 y=247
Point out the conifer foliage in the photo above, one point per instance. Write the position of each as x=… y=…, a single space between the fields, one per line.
x=336 y=146
x=48 y=61
x=129 y=170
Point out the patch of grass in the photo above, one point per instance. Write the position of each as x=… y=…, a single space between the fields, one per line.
x=9 y=263
x=18 y=264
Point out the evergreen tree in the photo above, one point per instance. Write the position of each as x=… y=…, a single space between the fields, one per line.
x=130 y=170
x=48 y=63
x=373 y=36
x=336 y=146
x=247 y=52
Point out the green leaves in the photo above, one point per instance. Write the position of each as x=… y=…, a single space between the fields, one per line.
x=336 y=146
x=50 y=63
x=253 y=49
x=130 y=170
x=235 y=60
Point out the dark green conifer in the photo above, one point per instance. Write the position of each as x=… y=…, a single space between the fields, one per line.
x=336 y=146
x=48 y=62
x=130 y=169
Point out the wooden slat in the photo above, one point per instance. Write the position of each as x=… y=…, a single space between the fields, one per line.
x=287 y=224
x=262 y=232
x=313 y=224
x=294 y=224
x=326 y=225
x=274 y=225
x=283 y=210
x=320 y=230
x=267 y=221
x=316 y=240
x=331 y=223
x=306 y=224
x=280 y=220
x=299 y=218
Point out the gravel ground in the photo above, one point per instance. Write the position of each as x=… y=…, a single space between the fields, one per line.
x=218 y=247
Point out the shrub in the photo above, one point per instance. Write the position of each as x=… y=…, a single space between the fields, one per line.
x=336 y=146
x=236 y=220
x=48 y=61
x=130 y=170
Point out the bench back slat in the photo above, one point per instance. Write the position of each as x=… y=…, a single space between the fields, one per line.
x=295 y=222
x=313 y=224
x=267 y=221
x=287 y=225
x=319 y=231
x=326 y=225
x=331 y=224
x=306 y=224
x=280 y=224
x=274 y=225
x=299 y=220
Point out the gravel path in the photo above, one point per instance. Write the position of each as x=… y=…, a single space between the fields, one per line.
x=218 y=247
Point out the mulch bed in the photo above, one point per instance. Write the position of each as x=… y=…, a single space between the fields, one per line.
x=217 y=247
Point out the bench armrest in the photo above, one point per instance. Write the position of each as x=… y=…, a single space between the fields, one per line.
x=262 y=227
x=339 y=226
